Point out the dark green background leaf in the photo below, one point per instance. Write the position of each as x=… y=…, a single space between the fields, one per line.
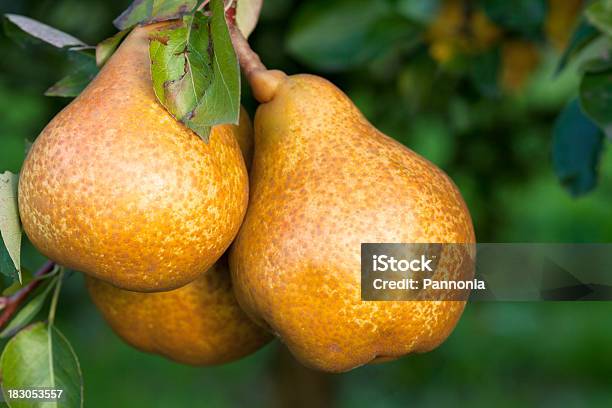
x=522 y=16
x=145 y=11
x=420 y=11
x=582 y=36
x=577 y=146
x=596 y=98
x=40 y=356
x=484 y=72
x=334 y=37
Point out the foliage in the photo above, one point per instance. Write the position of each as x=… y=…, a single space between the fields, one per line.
x=40 y=356
x=10 y=227
x=466 y=83
x=195 y=71
x=194 y=67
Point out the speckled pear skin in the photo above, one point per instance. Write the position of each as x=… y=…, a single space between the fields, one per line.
x=323 y=181
x=198 y=324
x=117 y=188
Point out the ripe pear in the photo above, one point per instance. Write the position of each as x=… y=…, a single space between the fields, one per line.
x=323 y=181
x=198 y=324
x=117 y=188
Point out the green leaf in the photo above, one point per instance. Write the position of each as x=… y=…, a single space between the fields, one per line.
x=247 y=15
x=10 y=225
x=221 y=101
x=596 y=98
x=582 y=36
x=419 y=11
x=577 y=146
x=106 y=48
x=599 y=14
x=148 y=11
x=195 y=71
x=596 y=65
x=29 y=311
x=26 y=30
x=85 y=69
x=335 y=36
x=40 y=356
x=7 y=268
x=181 y=65
x=526 y=17
x=484 y=72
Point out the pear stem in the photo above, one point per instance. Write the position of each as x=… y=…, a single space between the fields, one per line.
x=11 y=303
x=249 y=60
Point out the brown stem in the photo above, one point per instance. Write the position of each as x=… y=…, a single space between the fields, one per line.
x=249 y=60
x=13 y=302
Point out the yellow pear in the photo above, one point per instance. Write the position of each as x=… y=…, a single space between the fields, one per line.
x=323 y=181
x=117 y=188
x=198 y=324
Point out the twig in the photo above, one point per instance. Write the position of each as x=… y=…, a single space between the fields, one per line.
x=230 y=11
x=13 y=302
x=55 y=297
x=249 y=60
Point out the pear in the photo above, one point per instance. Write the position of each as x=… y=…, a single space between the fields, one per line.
x=198 y=324
x=115 y=187
x=323 y=181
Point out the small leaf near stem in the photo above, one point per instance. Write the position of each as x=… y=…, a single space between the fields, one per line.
x=106 y=48
x=195 y=72
x=20 y=27
x=245 y=14
x=10 y=225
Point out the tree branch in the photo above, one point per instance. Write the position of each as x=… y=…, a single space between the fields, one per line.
x=12 y=303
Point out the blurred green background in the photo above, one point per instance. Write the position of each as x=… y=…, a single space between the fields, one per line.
x=475 y=96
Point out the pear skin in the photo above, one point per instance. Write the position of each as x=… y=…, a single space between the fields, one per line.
x=117 y=188
x=323 y=181
x=198 y=324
